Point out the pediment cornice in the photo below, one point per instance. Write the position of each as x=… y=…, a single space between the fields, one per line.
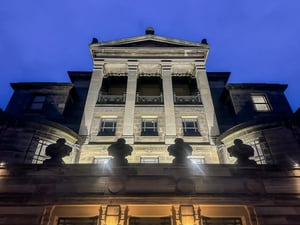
x=148 y=41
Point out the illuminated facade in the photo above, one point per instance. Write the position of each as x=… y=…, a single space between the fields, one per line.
x=149 y=90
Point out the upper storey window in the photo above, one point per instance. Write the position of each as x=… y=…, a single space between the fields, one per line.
x=190 y=127
x=113 y=90
x=261 y=103
x=108 y=127
x=38 y=102
x=185 y=90
x=149 y=127
x=149 y=90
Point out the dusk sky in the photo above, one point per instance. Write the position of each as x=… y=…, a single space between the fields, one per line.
x=258 y=41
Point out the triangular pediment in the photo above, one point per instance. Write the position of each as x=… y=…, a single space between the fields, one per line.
x=149 y=41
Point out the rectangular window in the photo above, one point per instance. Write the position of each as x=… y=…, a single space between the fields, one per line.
x=260 y=103
x=37 y=102
x=150 y=220
x=149 y=127
x=262 y=154
x=221 y=221
x=101 y=159
x=35 y=153
x=190 y=127
x=78 y=220
x=108 y=127
x=197 y=159
x=149 y=159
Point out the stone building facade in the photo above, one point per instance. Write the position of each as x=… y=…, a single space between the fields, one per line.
x=149 y=90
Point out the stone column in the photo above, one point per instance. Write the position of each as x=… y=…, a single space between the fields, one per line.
x=221 y=149
x=76 y=153
x=168 y=105
x=128 y=123
x=91 y=100
x=203 y=86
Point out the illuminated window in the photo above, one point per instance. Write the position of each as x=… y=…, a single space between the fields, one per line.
x=35 y=153
x=37 y=102
x=149 y=127
x=101 y=159
x=197 y=159
x=262 y=153
x=78 y=220
x=149 y=159
x=108 y=127
x=260 y=103
x=190 y=127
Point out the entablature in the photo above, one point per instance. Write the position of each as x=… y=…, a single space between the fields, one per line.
x=146 y=52
x=150 y=69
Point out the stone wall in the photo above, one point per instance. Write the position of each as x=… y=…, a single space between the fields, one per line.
x=39 y=194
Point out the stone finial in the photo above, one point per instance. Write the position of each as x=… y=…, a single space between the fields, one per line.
x=119 y=150
x=180 y=151
x=149 y=30
x=242 y=152
x=94 y=41
x=57 y=151
x=204 y=41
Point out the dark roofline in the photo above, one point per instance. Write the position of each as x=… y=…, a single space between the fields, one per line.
x=257 y=86
x=37 y=85
x=257 y=124
x=218 y=75
x=82 y=75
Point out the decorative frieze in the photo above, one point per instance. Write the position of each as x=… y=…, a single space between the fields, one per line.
x=183 y=70
x=149 y=69
x=115 y=69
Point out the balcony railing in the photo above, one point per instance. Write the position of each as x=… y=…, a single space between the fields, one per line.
x=149 y=99
x=158 y=99
x=111 y=99
x=191 y=99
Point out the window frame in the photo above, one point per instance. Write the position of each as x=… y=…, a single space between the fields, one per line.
x=36 y=101
x=105 y=130
x=155 y=160
x=101 y=159
x=263 y=101
x=75 y=220
x=147 y=130
x=197 y=159
x=262 y=153
x=221 y=220
x=193 y=130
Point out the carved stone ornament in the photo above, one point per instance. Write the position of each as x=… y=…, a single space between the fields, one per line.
x=183 y=70
x=119 y=150
x=242 y=152
x=149 y=69
x=57 y=151
x=115 y=69
x=180 y=151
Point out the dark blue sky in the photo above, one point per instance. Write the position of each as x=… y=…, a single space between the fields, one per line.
x=256 y=40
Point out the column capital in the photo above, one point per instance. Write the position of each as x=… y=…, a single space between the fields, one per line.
x=98 y=66
x=166 y=67
x=200 y=67
x=132 y=67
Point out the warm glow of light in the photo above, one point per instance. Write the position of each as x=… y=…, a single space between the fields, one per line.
x=2 y=164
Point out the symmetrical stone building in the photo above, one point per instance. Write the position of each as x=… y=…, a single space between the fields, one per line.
x=149 y=90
